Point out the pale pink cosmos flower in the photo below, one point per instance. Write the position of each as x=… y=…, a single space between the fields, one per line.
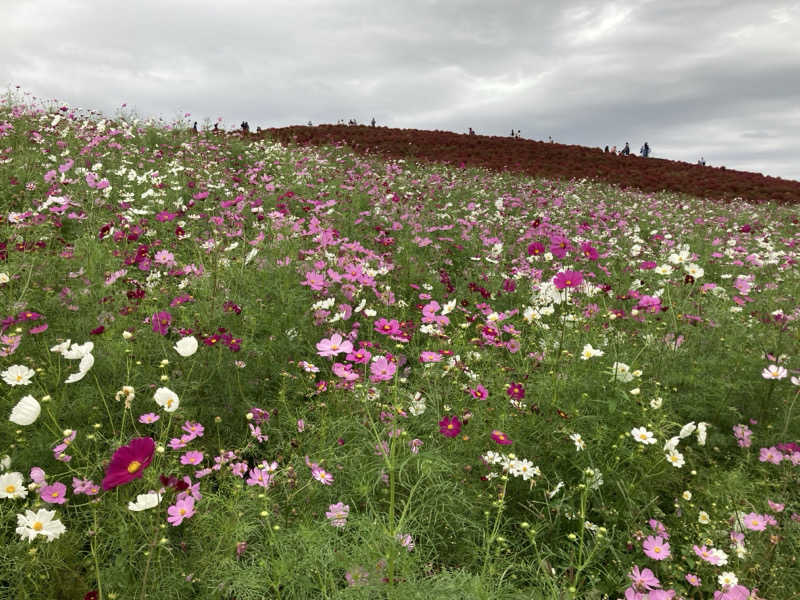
x=777 y=507
x=55 y=493
x=770 y=455
x=334 y=345
x=382 y=369
x=774 y=372
x=321 y=475
x=337 y=513
x=656 y=547
x=182 y=509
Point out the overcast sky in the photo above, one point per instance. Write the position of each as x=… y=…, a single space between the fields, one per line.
x=712 y=78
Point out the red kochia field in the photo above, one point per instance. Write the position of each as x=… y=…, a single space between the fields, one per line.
x=550 y=160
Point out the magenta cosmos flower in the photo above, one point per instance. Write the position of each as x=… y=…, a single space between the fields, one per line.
x=501 y=438
x=161 y=322
x=128 y=462
x=450 y=426
x=568 y=279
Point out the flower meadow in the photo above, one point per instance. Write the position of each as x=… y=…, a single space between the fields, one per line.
x=237 y=369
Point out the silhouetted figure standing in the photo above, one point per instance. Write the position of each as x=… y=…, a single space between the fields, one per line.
x=606 y=149
x=471 y=131
x=194 y=127
x=245 y=127
x=372 y=122
x=626 y=150
x=645 y=151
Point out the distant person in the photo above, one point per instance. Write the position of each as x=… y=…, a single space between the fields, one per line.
x=216 y=126
x=550 y=139
x=645 y=151
x=372 y=122
x=613 y=149
x=245 y=127
x=471 y=131
x=702 y=162
x=194 y=127
x=626 y=150
x=606 y=149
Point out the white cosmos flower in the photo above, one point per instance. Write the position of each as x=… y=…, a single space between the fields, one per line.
x=621 y=372
x=167 y=399
x=17 y=375
x=12 y=485
x=675 y=458
x=26 y=411
x=87 y=362
x=145 y=501
x=641 y=435
x=774 y=372
x=41 y=522
x=61 y=348
x=77 y=351
x=701 y=433
x=186 y=346
x=589 y=352
x=727 y=579
x=671 y=444
x=687 y=429
x=4 y=278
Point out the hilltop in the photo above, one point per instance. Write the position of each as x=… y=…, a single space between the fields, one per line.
x=550 y=160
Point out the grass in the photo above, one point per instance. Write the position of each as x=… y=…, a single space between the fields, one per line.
x=135 y=235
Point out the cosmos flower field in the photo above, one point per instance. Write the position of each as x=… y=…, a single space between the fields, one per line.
x=235 y=369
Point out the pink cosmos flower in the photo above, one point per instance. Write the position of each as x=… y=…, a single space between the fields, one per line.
x=334 y=345
x=193 y=429
x=387 y=327
x=450 y=426
x=501 y=438
x=193 y=457
x=382 y=369
x=345 y=371
x=321 y=475
x=415 y=445
x=479 y=392
x=734 y=592
x=754 y=522
x=643 y=580
x=55 y=493
x=707 y=554
x=568 y=279
x=129 y=462
x=770 y=455
x=182 y=509
x=360 y=356
x=260 y=477
x=693 y=580
x=515 y=391
x=656 y=548
x=429 y=356
x=161 y=322
x=337 y=514
x=775 y=506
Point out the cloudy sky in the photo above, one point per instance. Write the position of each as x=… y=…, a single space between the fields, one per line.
x=712 y=78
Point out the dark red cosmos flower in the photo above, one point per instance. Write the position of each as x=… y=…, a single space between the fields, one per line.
x=450 y=426
x=128 y=462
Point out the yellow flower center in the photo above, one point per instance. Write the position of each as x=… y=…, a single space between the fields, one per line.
x=19 y=377
x=54 y=495
x=38 y=526
x=183 y=511
x=11 y=489
x=134 y=466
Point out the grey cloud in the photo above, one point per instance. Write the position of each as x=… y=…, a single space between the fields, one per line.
x=710 y=77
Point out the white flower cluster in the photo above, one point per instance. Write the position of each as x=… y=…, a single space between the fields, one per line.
x=512 y=465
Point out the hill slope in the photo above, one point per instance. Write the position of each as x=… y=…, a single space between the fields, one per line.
x=542 y=159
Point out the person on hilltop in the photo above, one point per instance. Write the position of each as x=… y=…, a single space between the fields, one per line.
x=645 y=150
x=626 y=150
x=372 y=122
x=606 y=149
x=194 y=127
